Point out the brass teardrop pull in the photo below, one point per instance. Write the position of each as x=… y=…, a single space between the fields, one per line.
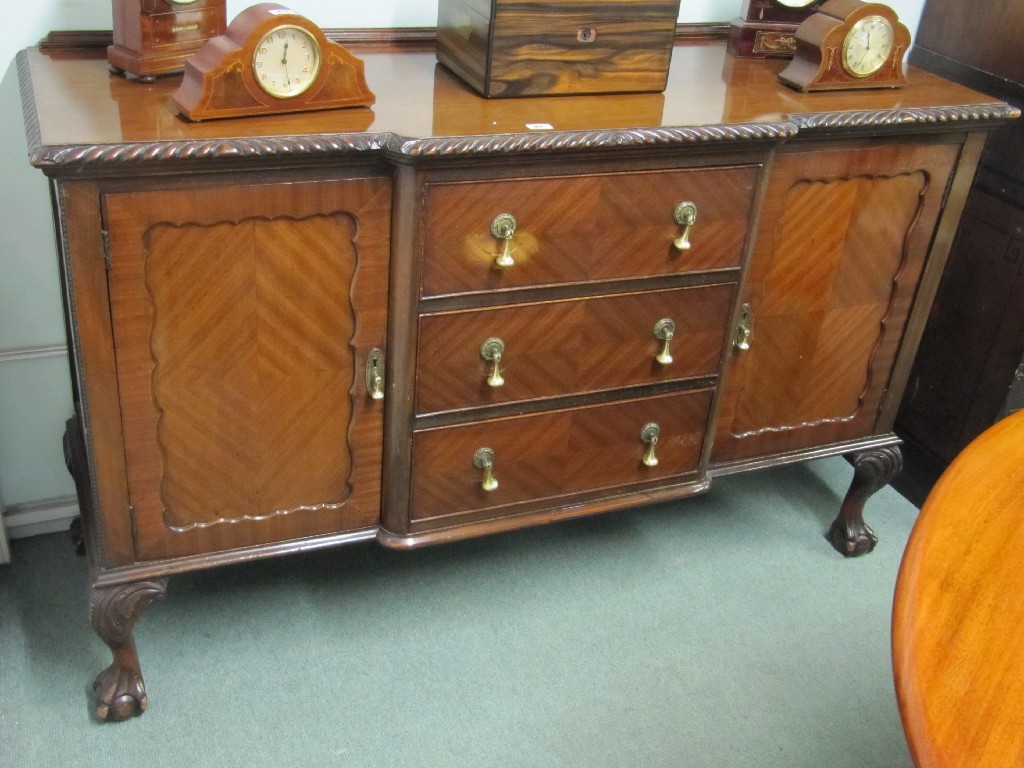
x=492 y=351
x=484 y=459
x=664 y=331
x=503 y=228
x=649 y=437
x=685 y=216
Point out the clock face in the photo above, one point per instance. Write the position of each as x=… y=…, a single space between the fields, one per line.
x=867 y=46
x=286 y=61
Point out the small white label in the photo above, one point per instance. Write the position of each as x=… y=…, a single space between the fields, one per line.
x=540 y=127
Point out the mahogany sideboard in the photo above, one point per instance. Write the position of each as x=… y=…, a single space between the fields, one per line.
x=445 y=316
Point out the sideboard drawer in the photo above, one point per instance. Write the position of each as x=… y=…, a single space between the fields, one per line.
x=577 y=345
x=553 y=454
x=583 y=228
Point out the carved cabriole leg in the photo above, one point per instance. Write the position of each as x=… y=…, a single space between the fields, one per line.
x=119 y=691
x=871 y=470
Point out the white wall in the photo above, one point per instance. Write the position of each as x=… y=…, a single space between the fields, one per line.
x=34 y=383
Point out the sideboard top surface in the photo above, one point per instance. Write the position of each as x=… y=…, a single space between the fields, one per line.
x=78 y=113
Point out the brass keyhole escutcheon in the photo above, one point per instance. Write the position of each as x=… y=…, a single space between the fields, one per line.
x=375 y=374
x=649 y=437
x=742 y=339
x=664 y=331
x=685 y=216
x=503 y=228
x=484 y=459
x=492 y=351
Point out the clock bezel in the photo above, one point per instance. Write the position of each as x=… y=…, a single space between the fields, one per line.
x=314 y=75
x=845 y=59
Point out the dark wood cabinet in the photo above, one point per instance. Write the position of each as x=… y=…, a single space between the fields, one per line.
x=441 y=317
x=970 y=368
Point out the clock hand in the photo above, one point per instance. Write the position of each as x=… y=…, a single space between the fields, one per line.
x=284 y=61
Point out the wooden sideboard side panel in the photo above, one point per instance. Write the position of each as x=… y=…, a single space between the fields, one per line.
x=96 y=395
x=241 y=325
x=842 y=243
x=953 y=395
x=945 y=233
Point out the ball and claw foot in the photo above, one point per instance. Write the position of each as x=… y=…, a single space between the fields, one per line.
x=119 y=694
x=119 y=691
x=872 y=469
x=852 y=541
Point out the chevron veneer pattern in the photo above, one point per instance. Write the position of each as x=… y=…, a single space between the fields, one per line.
x=830 y=288
x=251 y=395
x=572 y=346
x=555 y=453
x=583 y=228
x=240 y=338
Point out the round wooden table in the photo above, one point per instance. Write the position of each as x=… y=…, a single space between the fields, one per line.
x=958 y=616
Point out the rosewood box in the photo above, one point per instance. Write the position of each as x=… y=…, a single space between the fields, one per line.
x=532 y=48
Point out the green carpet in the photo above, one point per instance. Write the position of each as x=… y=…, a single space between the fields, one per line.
x=722 y=630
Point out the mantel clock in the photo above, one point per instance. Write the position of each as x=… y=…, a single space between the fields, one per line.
x=155 y=37
x=270 y=60
x=849 y=44
x=766 y=28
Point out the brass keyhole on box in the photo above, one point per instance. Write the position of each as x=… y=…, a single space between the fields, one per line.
x=586 y=35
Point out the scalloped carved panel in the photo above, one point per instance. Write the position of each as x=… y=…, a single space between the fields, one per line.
x=843 y=241
x=251 y=395
x=241 y=319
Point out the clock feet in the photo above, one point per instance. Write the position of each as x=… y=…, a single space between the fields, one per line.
x=119 y=691
x=871 y=471
x=115 y=70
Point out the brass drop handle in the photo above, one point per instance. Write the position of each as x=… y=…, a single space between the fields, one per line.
x=484 y=459
x=743 y=333
x=375 y=374
x=491 y=351
x=685 y=216
x=664 y=331
x=503 y=228
x=649 y=437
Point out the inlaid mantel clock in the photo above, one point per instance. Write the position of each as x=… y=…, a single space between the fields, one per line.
x=270 y=60
x=765 y=28
x=849 y=45
x=155 y=37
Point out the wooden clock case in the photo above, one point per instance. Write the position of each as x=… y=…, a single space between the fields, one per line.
x=766 y=29
x=155 y=37
x=817 y=64
x=219 y=81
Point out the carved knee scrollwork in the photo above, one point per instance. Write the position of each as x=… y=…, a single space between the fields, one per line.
x=871 y=471
x=119 y=691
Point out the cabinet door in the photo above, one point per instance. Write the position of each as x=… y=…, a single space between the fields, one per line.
x=841 y=245
x=242 y=318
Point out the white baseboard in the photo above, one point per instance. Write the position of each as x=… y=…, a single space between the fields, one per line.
x=39 y=517
x=5 y=550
